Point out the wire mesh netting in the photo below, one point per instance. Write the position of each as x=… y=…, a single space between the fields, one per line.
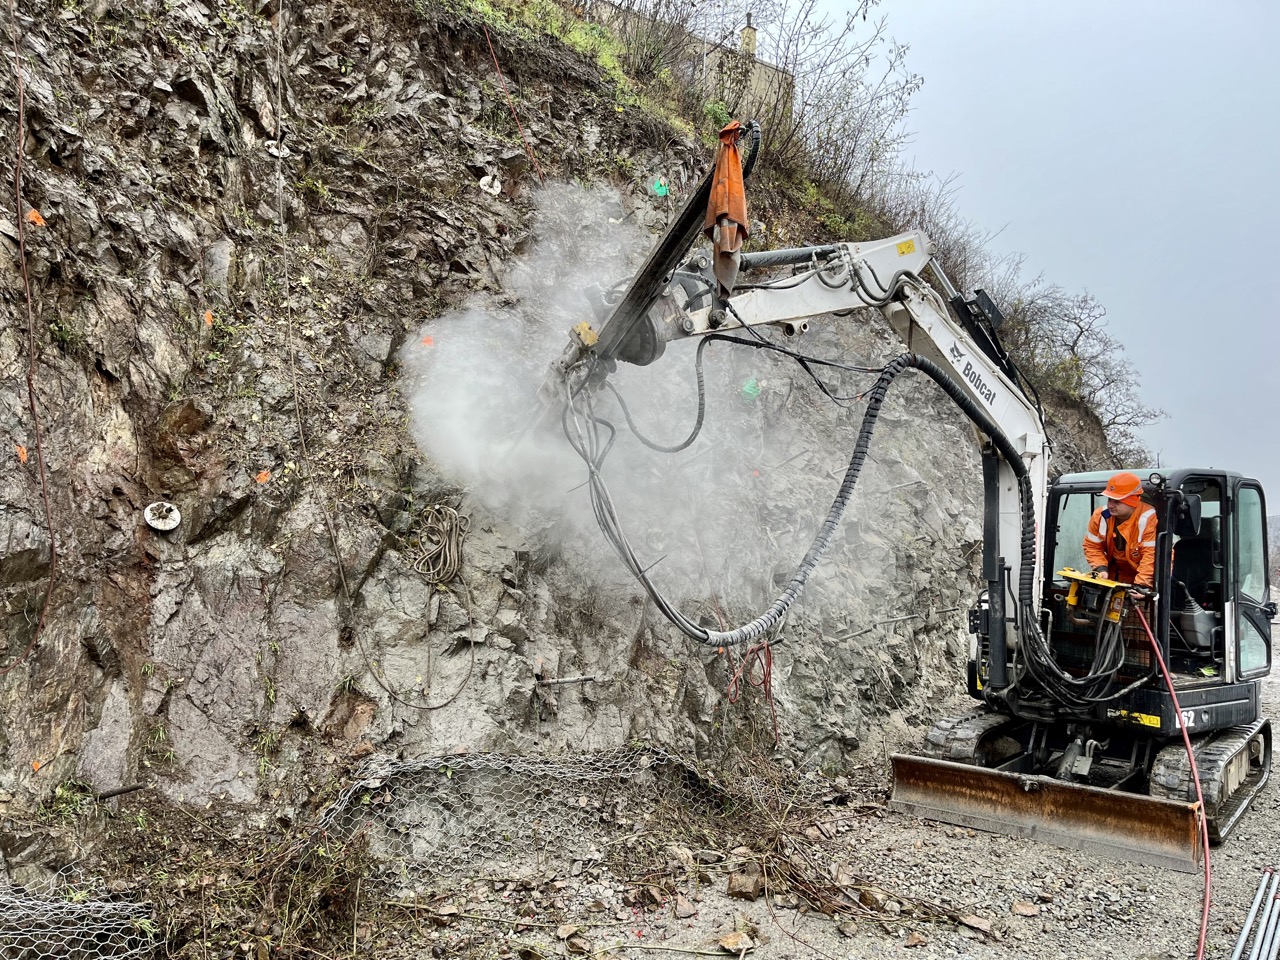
x=499 y=815
x=67 y=925
x=454 y=853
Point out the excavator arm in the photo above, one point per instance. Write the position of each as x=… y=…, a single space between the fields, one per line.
x=887 y=275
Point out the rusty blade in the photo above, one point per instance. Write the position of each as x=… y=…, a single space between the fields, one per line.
x=1127 y=826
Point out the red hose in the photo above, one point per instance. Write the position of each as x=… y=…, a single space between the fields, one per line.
x=1195 y=774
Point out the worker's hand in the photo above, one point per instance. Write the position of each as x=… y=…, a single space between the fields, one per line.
x=1099 y=571
x=1142 y=591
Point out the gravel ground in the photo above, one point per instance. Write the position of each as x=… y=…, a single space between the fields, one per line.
x=1038 y=901
x=1082 y=905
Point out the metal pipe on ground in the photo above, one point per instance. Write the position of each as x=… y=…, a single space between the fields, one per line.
x=1268 y=938
x=1270 y=949
x=1268 y=907
x=1266 y=926
x=1268 y=904
x=1253 y=913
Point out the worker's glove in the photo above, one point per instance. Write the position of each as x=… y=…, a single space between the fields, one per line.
x=1099 y=571
x=1141 y=591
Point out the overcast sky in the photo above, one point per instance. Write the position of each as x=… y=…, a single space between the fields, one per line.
x=1130 y=149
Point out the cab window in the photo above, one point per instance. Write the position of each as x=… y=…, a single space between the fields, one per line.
x=1074 y=510
x=1251 y=547
x=1197 y=559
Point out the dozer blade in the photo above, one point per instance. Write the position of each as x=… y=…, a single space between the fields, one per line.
x=1160 y=833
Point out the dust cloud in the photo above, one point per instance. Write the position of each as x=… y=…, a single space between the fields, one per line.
x=719 y=518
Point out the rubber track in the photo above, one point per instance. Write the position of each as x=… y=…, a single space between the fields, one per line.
x=1171 y=776
x=957 y=738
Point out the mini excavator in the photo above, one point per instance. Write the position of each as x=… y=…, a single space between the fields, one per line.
x=1077 y=735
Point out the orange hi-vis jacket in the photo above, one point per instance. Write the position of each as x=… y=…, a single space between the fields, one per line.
x=1126 y=548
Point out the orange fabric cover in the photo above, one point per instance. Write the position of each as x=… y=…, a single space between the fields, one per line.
x=726 y=221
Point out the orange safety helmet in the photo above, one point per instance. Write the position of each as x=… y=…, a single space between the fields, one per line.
x=1125 y=487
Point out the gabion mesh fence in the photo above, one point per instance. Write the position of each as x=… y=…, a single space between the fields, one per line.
x=64 y=925
x=496 y=815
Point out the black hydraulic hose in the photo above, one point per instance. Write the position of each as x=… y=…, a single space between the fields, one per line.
x=875 y=398
x=767 y=621
x=1057 y=682
x=764 y=623
x=697 y=425
x=752 y=130
x=1039 y=659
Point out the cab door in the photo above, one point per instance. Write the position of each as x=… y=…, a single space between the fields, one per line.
x=1251 y=591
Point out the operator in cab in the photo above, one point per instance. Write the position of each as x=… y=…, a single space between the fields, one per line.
x=1121 y=541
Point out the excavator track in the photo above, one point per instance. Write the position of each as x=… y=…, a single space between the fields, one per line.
x=967 y=739
x=1234 y=765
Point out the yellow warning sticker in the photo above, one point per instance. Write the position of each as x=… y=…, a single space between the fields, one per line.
x=905 y=247
x=1146 y=719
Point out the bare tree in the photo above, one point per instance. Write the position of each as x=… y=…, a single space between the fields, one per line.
x=842 y=118
x=657 y=36
x=831 y=93
x=1058 y=339
x=1062 y=342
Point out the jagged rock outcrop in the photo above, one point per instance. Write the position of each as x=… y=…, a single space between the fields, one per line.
x=248 y=215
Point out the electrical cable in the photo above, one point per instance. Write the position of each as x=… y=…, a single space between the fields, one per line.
x=745 y=675
x=512 y=106
x=450 y=559
x=760 y=343
x=440 y=542
x=804 y=360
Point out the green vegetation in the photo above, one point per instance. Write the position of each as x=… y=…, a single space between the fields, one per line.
x=717 y=113
x=71 y=800
x=535 y=20
x=67 y=334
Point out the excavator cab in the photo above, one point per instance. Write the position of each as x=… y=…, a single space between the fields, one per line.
x=1108 y=772
x=1211 y=611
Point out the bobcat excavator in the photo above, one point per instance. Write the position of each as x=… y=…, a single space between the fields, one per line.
x=1076 y=738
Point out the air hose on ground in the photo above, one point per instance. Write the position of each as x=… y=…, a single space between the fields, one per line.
x=1195 y=779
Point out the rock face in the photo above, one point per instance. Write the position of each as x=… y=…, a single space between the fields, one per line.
x=245 y=218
